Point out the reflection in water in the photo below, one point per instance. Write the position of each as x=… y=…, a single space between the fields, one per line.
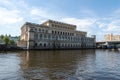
x=55 y=64
x=60 y=65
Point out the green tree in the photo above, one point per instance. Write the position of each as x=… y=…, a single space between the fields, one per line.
x=6 y=39
x=11 y=42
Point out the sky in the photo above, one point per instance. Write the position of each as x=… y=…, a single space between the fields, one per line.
x=96 y=17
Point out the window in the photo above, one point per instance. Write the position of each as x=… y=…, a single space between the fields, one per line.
x=46 y=31
x=44 y=44
x=40 y=44
x=52 y=32
x=39 y=30
x=45 y=36
x=43 y=30
x=35 y=29
x=40 y=35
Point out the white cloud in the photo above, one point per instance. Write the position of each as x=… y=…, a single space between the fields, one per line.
x=9 y=16
x=79 y=22
x=39 y=12
x=114 y=26
x=82 y=24
x=3 y=2
x=14 y=13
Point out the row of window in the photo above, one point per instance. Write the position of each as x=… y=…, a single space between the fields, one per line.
x=63 y=45
x=53 y=32
x=62 y=33
x=69 y=38
x=62 y=27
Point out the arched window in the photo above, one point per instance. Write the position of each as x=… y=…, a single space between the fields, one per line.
x=45 y=36
x=40 y=44
x=39 y=30
x=48 y=44
x=49 y=36
x=55 y=32
x=44 y=44
x=52 y=32
x=35 y=44
x=61 y=33
x=40 y=35
x=43 y=30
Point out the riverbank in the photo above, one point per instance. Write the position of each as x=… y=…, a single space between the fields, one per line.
x=10 y=48
x=15 y=48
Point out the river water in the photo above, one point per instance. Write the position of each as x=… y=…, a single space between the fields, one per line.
x=60 y=65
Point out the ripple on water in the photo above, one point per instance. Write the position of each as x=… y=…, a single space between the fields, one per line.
x=60 y=65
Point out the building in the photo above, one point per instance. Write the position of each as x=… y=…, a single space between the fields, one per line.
x=111 y=37
x=1 y=41
x=15 y=39
x=2 y=44
x=54 y=35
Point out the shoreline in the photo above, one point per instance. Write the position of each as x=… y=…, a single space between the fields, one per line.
x=20 y=49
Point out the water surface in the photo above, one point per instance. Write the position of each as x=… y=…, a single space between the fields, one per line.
x=60 y=65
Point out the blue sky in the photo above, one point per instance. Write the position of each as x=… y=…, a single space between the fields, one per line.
x=97 y=17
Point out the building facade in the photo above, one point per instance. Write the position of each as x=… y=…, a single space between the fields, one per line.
x=54 y=35
x=111 y=37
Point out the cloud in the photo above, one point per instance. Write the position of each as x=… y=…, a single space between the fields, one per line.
x=13 y=14
x=9 y=16
x=87 y=24
x=39 y=12
x=114 y=26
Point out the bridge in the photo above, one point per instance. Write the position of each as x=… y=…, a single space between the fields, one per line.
x=108 y=44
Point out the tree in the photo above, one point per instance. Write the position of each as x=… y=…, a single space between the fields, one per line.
x=6 y=39
x=11 y=42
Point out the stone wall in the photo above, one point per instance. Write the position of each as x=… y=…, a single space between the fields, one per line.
x=22 y=44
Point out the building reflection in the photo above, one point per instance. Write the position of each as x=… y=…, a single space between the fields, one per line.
x=64 y=63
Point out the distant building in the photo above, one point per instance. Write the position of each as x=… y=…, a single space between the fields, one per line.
x=2 y=44
x=54 y=35
x=15 y=39
x=111 y=37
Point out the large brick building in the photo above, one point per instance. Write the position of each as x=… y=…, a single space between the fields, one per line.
x=54 y=35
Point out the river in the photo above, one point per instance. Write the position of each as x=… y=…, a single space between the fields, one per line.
x=60 y=65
